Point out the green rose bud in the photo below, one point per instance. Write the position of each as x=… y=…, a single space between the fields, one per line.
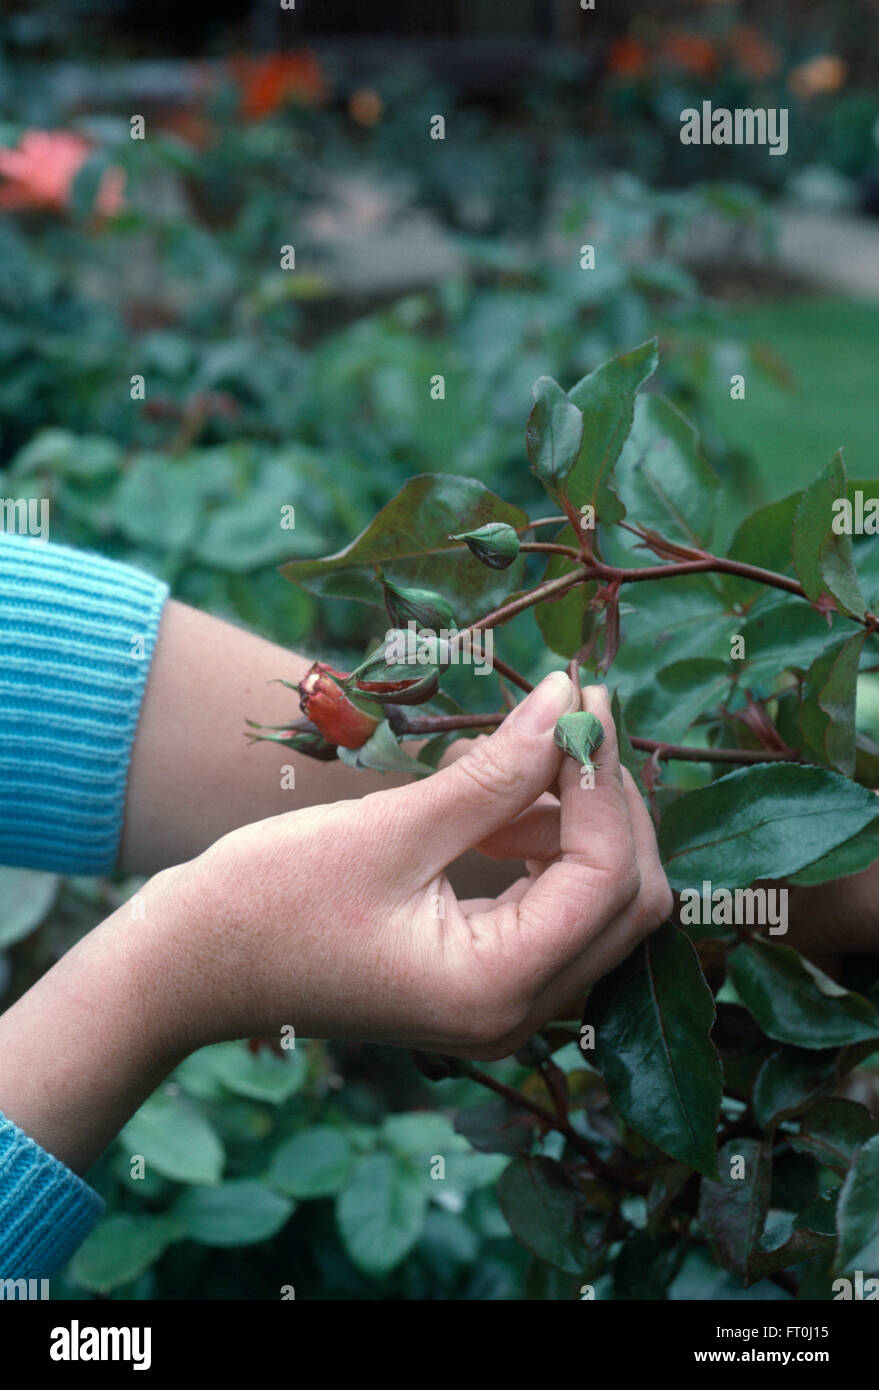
x=398 y=672
x=420 y=606
x=495 y=544
x=579 y=735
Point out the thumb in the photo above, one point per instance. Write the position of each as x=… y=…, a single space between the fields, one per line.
x=491 y=784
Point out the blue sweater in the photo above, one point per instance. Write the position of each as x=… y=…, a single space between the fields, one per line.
x=77 y=634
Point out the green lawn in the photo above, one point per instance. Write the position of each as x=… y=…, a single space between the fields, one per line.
x=832 y=348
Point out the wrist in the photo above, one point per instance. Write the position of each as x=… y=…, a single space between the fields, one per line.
x=92 y=1038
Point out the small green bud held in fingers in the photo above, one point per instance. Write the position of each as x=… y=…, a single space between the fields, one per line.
x=579 y=735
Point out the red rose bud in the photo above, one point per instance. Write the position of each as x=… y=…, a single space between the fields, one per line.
x=327 y=706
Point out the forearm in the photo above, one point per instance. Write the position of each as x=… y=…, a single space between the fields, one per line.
x=194 y=775
x=96 y=1034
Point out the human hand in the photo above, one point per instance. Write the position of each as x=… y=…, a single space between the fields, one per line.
x=341 y=922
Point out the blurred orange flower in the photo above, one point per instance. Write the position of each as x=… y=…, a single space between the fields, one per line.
x=629 y=58
x=690 y=52
x=39 y=174
x=821 y=75
x=365 y=106
x=753 y=53
x=277 y=80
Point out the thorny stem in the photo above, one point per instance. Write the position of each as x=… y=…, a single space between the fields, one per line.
x=550 y=589
x=550 y=549
x=596 y=569
x=445 y=723
x=552 y=1121
x=541 y=521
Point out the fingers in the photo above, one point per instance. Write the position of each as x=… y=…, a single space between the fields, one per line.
x=564 y=996
x=596 y=875
x=488 y=786
x=535 y=834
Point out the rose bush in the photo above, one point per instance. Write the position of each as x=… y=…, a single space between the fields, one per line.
x=701 y=1110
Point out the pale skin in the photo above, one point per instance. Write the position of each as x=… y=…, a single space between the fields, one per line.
x=340 y=916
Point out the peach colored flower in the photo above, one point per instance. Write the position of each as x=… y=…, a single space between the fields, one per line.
x=365 y=106
x=38 y=175
x=819 y=76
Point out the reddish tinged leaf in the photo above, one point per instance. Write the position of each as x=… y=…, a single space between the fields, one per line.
x=732 y=1211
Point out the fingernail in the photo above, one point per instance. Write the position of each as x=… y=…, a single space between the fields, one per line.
x=552 y=698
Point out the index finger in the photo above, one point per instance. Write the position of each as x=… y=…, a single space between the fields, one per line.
x=596 y=875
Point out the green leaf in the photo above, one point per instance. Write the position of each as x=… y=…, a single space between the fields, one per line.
x=669 y=1183
x=781 y=632
x=787 y=1243
x=787 y=1082
x=82 y=457
x=419 y=1134
x=548 y=1214
x=823 y=560
x=762 y=539
x=607 y=399
x=567 y=623
x=494 y=1127
x=732 y=1211
x=27 y=896
x=384 y=752
x=857 y=1214
x=410 y=540
x=119 y=1249
x=174 y=1140
x=159 y=503
x=260 y=1076
x=677 y=695
x=767 y=821
x=380 y=1214
x=796 y=1003
x=553 y=436
x=646 y=1265
x=856 y=854
x=653 y=1017
x=245 y=535
x=834 y=1130
x=242 y=1211
x=315 y=1163
x=87 y=182
x=628 y=756
x=579 y=735
x=827 y=709
x=662 y=477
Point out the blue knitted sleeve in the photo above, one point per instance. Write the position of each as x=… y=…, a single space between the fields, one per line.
x=76 y=638
x=45 y=1209
x=77 y=634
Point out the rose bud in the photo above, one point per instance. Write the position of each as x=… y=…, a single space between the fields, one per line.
x=495 y=544
x=394 y=673
x=420 y=606
x=337 y=718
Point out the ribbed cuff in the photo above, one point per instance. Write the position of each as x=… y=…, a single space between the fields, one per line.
x=46 y=1211
x=77 y=634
